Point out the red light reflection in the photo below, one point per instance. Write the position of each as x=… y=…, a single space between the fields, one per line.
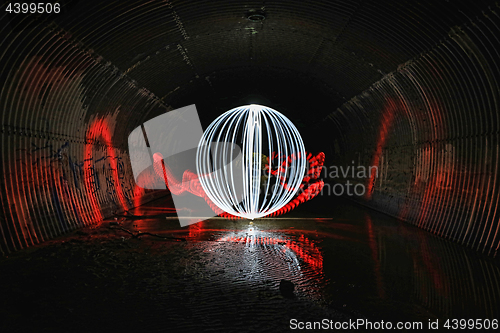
x=99 y=129
x=372 y=242
x=304 y=248
x=385 y=126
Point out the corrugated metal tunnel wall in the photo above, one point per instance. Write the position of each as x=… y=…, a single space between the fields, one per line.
x=409 y=87
x=431 y=130
x=65 y=116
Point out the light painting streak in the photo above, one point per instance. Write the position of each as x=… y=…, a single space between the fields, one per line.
x=259 y=131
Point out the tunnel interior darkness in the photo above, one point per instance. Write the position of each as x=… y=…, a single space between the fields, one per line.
x=409 y=87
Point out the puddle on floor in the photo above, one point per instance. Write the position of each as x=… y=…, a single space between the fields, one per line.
x=350 y=257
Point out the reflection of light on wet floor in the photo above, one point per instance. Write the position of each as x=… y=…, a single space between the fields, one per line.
x=361 y=258
x=279 y=256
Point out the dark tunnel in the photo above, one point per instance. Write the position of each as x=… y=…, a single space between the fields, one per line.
x=407 y=89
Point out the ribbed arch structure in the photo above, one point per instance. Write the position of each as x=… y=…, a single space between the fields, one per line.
x=411 y=87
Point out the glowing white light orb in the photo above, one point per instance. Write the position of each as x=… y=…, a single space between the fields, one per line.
x=251 y=161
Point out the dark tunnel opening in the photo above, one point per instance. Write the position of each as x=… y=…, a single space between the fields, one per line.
x=402 y=98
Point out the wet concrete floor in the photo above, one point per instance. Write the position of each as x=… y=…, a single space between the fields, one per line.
x=346 y=261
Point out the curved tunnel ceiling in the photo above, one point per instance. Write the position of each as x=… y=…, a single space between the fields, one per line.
x=409 y=87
